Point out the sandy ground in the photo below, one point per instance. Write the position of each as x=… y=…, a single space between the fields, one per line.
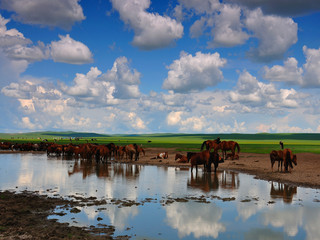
x=24 y=215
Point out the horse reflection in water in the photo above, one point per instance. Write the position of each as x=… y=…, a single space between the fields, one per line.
x=283 y=191
x=101 y=170
x=209 y=182
x=88 y=168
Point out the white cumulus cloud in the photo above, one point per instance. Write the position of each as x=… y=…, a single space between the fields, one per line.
x=68 y=50
x=289 y=73
x=253 y=93
x=152 y=31
x=312 y=67
x=194 y=73
x=275 y=34
x=174 y=118
x=228 y=29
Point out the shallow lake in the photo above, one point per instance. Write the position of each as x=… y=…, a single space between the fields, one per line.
x=149 y=202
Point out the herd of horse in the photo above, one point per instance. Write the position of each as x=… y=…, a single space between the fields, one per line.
x=284 y=157
x=105 y=152
x=206 y=157
x=88 y=151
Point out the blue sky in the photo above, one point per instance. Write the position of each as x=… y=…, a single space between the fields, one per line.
x=140 y=66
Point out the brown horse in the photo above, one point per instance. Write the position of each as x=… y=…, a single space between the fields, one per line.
x=215 y=159
x=228 y=146
x=288 y=159
x=182 y=158
x=103 y=153
x=211 y=144
x=285 y=157
x=131 y=150
x=120 y=150
x=200 y=158
x=189 y=155
x=276 y=156
x=139 y=150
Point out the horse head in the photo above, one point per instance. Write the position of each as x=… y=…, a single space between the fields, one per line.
x=294 y=159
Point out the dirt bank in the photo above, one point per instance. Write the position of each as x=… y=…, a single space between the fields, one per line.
x=24 y=216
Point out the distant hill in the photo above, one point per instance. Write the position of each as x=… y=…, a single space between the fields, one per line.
x=200 y=136
x=52 y=135
x=240 y=136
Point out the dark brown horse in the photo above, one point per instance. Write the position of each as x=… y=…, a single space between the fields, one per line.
x=228 y=146
x=199 y=159
x=288 y=159
x=139 y=150
x=189 y=155
x=211 y=144
x=215 y=159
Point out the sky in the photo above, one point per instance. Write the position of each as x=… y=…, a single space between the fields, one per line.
x=169 y=66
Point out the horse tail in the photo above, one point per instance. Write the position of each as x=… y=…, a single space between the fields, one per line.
x=204 y=143
x=237 y=146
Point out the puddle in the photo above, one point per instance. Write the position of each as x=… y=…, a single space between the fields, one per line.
x=150 y=202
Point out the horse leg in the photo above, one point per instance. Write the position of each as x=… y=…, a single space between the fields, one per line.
x=233 y=153
x=215 y=167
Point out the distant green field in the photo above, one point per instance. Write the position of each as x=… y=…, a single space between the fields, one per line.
x=255 y=143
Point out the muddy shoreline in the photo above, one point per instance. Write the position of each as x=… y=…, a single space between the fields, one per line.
x=25 y=215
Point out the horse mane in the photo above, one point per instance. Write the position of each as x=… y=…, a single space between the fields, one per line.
x=189 y=155
x=204 y=143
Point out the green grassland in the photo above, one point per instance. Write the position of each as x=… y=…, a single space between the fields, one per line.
x=254 y=143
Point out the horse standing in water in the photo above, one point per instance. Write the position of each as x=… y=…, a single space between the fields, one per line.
x=200 y=158
x=206 y=158
x=215 y=159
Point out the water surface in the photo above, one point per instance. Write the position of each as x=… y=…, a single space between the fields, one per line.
x=168 y=202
